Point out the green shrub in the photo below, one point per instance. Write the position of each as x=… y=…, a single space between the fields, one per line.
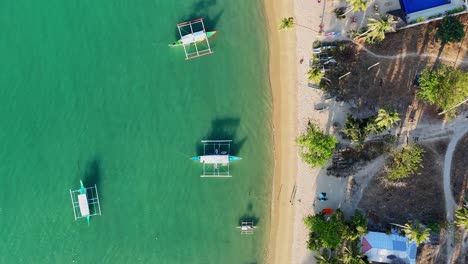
x=456 y=10
x=316 y=148
x=417 y=20
x=450 y=30
x=434 y=16
x=405 y=162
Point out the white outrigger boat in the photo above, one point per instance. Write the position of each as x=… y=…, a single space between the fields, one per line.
x=194 y=38
x=216 y=158
x=247 y=227
x=85 y=206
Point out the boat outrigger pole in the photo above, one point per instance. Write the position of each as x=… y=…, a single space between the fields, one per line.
x=85 y=202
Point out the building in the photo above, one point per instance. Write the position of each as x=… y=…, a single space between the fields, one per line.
x=383 y=248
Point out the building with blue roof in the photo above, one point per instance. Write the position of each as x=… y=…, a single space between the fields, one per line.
x=380 y=247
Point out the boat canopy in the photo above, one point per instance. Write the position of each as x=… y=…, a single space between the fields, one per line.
x=215 y=159
x=195 y=37
x=83 y=203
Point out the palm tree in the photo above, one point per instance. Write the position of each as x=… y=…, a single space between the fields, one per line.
x=377 y=27
x=386 y=119
x=461 y=218
x=353 y=255
x=315 y=75
x=416 y=232
x=325 y=258
x=286 y=23
x=356 y=5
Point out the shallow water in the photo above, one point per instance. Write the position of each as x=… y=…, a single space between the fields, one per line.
x=90 y=90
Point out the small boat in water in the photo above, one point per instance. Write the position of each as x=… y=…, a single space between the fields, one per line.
x=192 y=38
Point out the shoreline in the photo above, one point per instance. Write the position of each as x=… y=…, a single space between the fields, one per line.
x=282 y=71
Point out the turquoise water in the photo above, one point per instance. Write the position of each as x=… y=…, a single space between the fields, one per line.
x=90 y=90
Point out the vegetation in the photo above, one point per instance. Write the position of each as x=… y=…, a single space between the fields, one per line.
x=416 y=232
x=316 y=148
x=340 y=13
x=450 y=30
x=417 y=20
x=461 y=218
x=356 y=5
x=286 y=23
x=456 y=10
x=331 y=233
x=352 y=254
x=315 y=75
x=377 y=27
x=444 y=86
x=325 y=257
x=358 y=129
x=405 y=162
x=385 y=119
x=434 y=16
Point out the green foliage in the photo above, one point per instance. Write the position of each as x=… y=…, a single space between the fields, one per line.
x=339 y=13
x=434 y=227
x=330 y=233
x=450 y=30
x=456 y=10
x=315 y=75
x=416 y=232
x=377 y=27
x=434 y=16
x=324 y=257
x=417 y=20
x=444 y=86
x=316 y=148
x=352 y=255
x=316 y=44
x=461 y=218
x=357 y=5
x=358 y=129
x=405 y=162
x=286 y=23
x=356 y=227
x=325 y=234
x=386 y=119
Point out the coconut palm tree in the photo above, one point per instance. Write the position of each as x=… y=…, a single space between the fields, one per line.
x=356 y=5
x=461 y=218
x=315 y=75
x=289 y=23
x=352 y=255
x=377 y=27
x=325 y=257
x=386 y=119
x=286 y=23
x=416 y=232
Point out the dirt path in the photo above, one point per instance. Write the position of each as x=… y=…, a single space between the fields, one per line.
x=406 y=55
x=450 y=205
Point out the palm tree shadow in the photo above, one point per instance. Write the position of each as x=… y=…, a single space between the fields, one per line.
x=224 y=129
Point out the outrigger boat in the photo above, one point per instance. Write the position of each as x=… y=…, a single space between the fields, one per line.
x=194 y=38
x=85 y=202
x=216 y=158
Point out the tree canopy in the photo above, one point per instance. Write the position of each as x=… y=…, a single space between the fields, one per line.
x=386 y=119
x=450 y=30
x=286 y=23
x=461 y=218
x=416 y=232
x=315 y=75
x=443 y=86
x=331 y=232
x=405 y=162
x=316 y=148
x=377 y=27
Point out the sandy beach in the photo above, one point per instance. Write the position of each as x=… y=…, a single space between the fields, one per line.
x=282 y=80
x=295 y=184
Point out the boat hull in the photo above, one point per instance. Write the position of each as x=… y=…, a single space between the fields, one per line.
x=179 y=42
